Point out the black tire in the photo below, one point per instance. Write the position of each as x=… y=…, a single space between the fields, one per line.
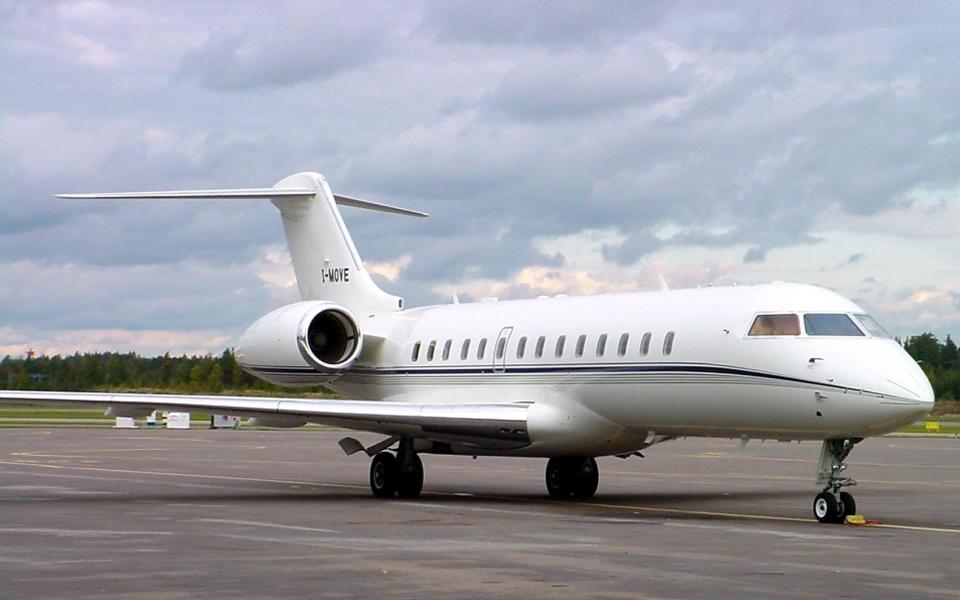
x=383 y=475
x=410 y=477
x=826 y=509
x=559 y=479
x=587 y=479
x=849 y=504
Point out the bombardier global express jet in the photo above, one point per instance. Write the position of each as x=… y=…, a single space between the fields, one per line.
x=563 y=378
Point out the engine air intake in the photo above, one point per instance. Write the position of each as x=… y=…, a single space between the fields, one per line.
x=329 y=339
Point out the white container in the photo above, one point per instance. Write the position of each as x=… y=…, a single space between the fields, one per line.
x=178 y=420
x=224 y=422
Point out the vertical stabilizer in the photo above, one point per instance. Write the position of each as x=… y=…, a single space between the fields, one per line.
x=324 y=258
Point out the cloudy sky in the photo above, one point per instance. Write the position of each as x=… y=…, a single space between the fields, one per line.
x=560 y=147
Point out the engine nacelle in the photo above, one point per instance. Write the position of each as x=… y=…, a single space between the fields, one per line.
x=301 y=344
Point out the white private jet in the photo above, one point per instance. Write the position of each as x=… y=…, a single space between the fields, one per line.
x=563 y=378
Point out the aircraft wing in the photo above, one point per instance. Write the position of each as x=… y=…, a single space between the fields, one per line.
x=490 y=425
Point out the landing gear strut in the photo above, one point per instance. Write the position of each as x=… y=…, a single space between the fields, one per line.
x=832 y=505
x=572 y=477
x=400 y=475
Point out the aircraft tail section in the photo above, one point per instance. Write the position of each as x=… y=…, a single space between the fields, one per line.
x=324 y=257
x=326 y=262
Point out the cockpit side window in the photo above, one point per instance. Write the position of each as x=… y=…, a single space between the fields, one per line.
x=830 y=324
x=775 y=325
x=872 y=327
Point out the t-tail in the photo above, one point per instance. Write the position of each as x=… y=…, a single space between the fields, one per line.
x=324 y=257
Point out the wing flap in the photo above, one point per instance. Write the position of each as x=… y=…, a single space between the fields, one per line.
x=502 y=422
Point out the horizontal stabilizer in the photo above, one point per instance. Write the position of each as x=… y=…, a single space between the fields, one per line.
x=235 y=194
x=244 y=194
x=358 y=203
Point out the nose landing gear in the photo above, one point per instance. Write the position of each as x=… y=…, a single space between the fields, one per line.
x=832 y=505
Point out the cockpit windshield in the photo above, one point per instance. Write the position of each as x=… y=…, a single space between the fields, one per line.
x=775 y=325
x=872 y=327
x=830 y=324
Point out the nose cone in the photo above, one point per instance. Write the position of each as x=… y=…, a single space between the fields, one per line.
x=926 y=391
x=918 y=382
x=914 y=387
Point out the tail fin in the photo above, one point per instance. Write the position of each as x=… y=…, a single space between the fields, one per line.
x=324 y=258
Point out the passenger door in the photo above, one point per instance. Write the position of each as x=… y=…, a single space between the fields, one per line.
x=500 y=350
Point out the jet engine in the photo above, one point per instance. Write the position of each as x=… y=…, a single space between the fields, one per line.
x=302 y=344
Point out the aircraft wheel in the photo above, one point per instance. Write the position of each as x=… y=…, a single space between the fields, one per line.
x=559 y=479
x=383 y=475
x=588 y=477
x=849 y=504
x=826 y=509
x=410 y=477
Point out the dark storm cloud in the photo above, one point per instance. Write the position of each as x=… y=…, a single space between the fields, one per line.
x=756 y=254
x=739 y=125
x=289 y=43
x=556 y=86
x=187 y=295
x=538 y=22
x=637 y=244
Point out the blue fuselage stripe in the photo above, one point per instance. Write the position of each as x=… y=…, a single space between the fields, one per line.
x=594 y=369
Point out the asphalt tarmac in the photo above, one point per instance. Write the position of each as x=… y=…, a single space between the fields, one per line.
x=96 y=513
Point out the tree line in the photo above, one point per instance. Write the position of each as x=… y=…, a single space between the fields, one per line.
x=214 y=374
x=939 y=361
x=115 y=371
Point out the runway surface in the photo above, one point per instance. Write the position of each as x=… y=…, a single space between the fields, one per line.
x=95 y=513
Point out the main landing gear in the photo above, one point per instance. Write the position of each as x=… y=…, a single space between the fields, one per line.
x=400 y=475
x=572 y=477
x=832 y=505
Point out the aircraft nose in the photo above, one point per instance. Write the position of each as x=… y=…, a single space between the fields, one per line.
x=926 y=392
x=911 y=378
x=920 y=383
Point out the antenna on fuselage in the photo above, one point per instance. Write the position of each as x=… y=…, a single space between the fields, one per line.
x=663 y=283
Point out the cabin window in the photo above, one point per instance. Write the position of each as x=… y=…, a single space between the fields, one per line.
x=415 y=355
x=446 y=349
x=501 y=348
x=538 y=351
x=601 y=344
x=560 y=342
x=465 y=349
x=431 y=349
x=872 y=327
x=668 y=343
x=481 y=348
x=581 y=342
x=521 y=346
x=775 y=325
x=645 y=344
x=830 y=324
x=622 y=346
